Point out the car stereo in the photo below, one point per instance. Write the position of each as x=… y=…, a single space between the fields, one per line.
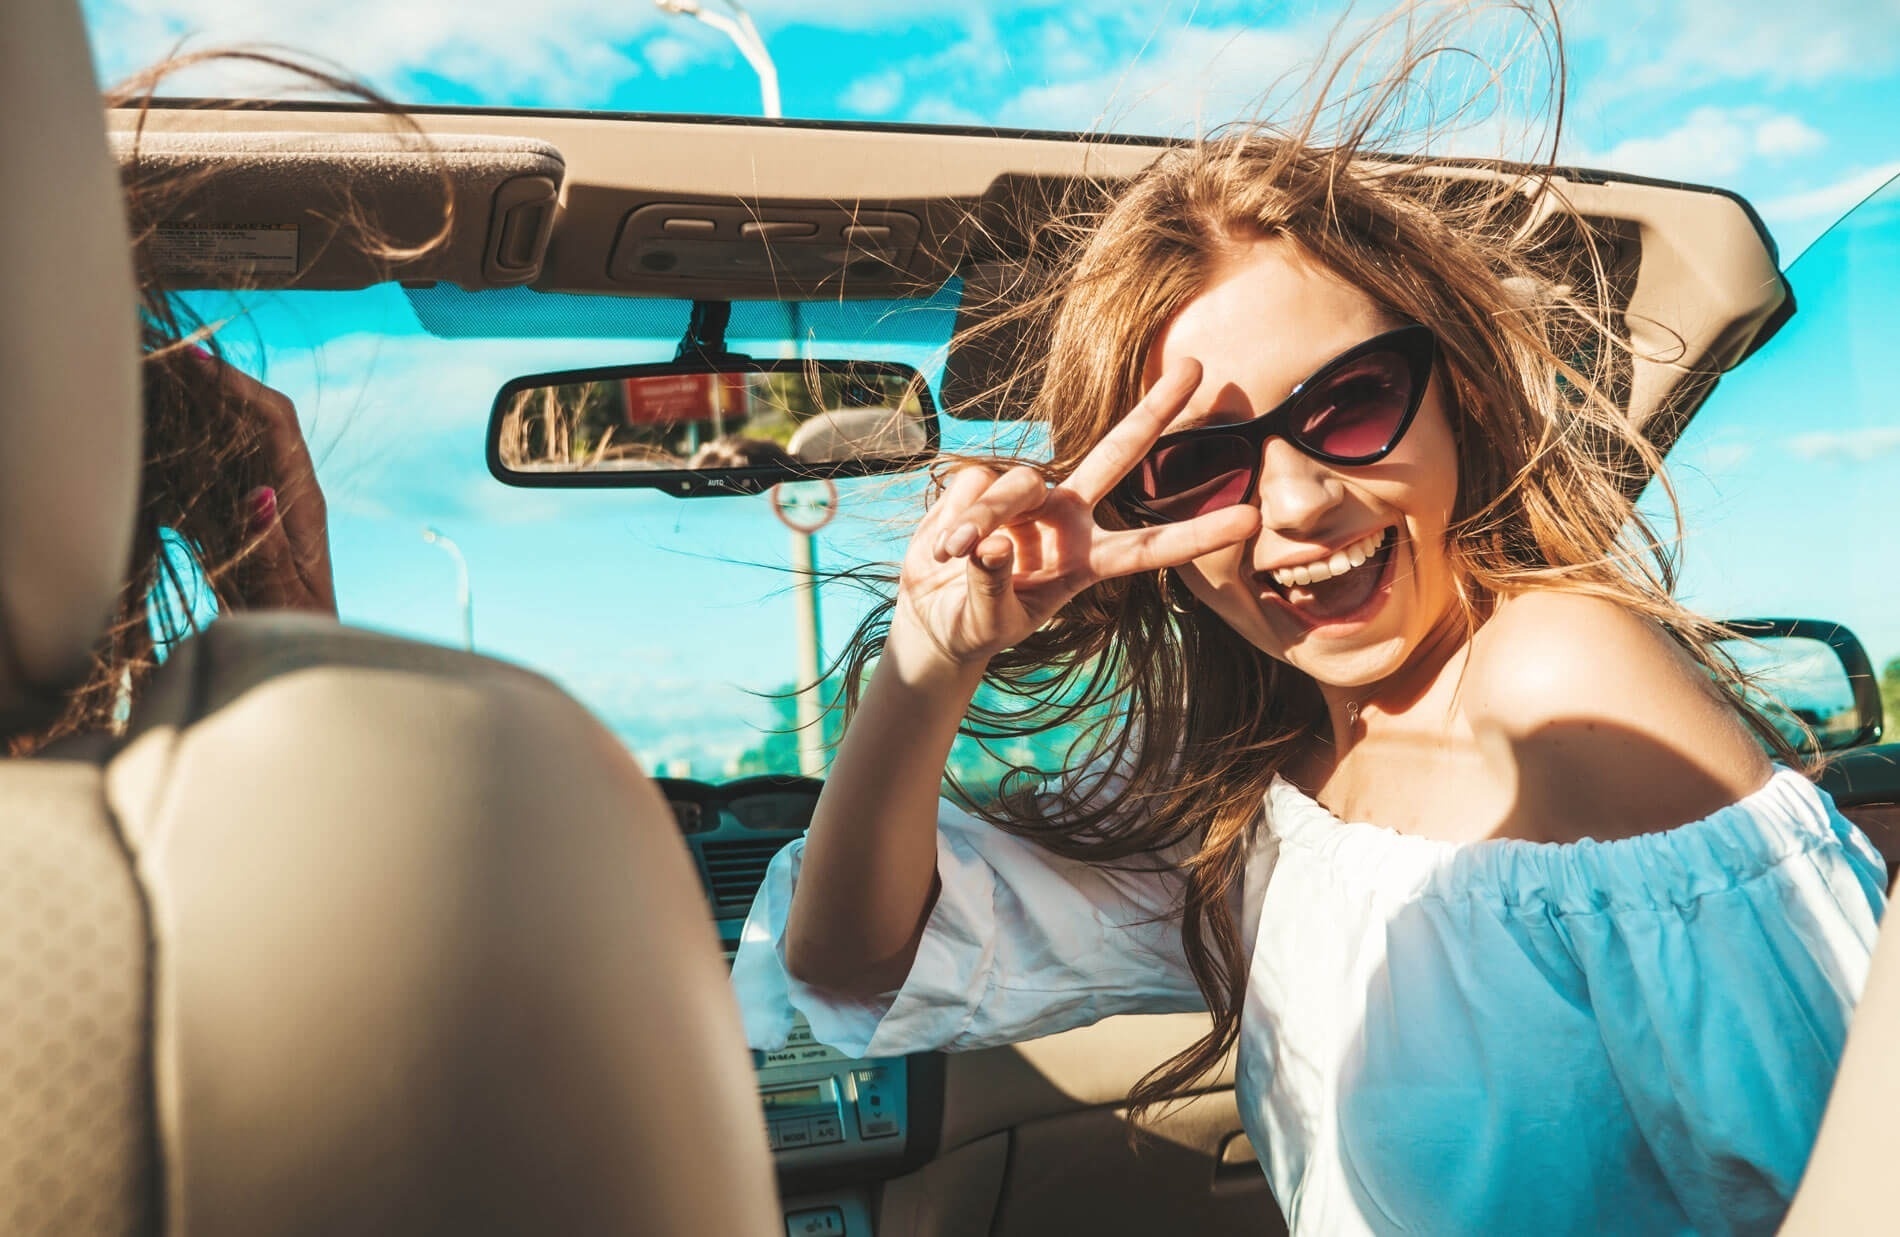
x=824 y=1108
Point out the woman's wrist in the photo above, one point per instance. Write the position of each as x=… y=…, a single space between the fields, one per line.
x=919 y=660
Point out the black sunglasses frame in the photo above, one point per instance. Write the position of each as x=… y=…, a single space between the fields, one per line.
x=1414 y=343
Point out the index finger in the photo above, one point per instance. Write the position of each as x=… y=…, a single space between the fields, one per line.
x=1113 y=458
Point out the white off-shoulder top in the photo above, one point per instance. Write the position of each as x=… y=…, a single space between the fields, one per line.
x=1634 y=1036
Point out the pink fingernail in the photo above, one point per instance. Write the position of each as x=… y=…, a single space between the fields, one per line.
x=263 y=504
x=961 y=541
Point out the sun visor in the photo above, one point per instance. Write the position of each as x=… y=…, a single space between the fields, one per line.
x=338 y=211
x=1689 y=271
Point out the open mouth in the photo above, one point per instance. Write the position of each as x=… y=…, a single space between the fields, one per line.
x=1336 y=588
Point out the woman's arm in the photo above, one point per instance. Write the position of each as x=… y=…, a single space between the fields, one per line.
x=870 y=865
x=994 y=560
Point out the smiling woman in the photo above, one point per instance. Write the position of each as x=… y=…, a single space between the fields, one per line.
x=1339 y=525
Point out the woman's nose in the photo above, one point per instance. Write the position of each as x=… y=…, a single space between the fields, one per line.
x=1296 y=491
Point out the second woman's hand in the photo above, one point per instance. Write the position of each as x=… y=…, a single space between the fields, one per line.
x=1000 y=554
x=287 y=519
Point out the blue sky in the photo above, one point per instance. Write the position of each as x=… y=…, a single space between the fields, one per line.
x=622 y=595
x=1791 y=104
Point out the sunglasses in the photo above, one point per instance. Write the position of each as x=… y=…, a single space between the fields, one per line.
x=1352 y=410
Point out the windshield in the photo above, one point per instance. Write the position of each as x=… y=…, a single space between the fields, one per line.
x=1789 y=477
x=676 y=621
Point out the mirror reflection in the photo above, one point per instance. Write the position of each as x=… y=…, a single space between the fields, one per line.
x=1800 y=684
x=793 y=415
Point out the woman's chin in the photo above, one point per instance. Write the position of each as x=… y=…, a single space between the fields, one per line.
x=1371 y=652
x=1359 y=666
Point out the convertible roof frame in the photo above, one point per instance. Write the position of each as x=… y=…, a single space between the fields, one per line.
x=727 y=208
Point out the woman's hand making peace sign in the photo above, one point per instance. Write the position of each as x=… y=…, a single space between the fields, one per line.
x=997 y=556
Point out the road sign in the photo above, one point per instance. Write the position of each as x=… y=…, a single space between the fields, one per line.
x=805 y=506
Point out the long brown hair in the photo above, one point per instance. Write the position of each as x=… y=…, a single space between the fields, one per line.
x=1536 y=379
x=204 y=449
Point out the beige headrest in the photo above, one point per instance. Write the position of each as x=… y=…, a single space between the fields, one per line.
x=69 y=420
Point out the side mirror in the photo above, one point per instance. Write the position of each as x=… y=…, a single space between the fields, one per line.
x=722 y=424
x=1812 y=679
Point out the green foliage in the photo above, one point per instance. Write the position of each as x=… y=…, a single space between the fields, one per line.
x=974 y=773
x=978 y=767
x=777 y=749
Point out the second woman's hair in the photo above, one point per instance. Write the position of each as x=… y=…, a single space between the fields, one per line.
x=204 y=451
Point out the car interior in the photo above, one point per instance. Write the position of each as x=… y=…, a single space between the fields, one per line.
x=348 y=932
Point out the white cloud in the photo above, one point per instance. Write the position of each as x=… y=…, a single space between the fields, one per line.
x=668 y=55
x=673 y=711
x=1680 y=46
x=1829 y=202
x=1781 y=137
x=1723 y=458
x=396 y=422
x=936 y=110
x=555 y=52
x=1156 y=73
x=1712 y=144
x=877 y=95
x=1190 y=80
x=1850 y=445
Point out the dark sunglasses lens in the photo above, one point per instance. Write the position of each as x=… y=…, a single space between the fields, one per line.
x=1182 y=480
x=1357 y=412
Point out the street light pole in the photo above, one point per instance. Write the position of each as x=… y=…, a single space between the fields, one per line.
x=811 y=662
x=744 y=35
x=799 y=507
x=463 y=595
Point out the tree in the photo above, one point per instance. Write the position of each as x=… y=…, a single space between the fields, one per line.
x=777 y=748
x=978 y=768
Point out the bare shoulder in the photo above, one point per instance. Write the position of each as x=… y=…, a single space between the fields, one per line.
x=1605 y=726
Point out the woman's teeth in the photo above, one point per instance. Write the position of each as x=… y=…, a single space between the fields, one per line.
x=1339 y=564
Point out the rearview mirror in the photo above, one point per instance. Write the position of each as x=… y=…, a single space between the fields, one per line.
x=1811 y=679
x=730 y=425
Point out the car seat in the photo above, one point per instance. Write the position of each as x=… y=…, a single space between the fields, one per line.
x=344 y=933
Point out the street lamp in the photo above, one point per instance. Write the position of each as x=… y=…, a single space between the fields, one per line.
x=745 y=36
x=462 y=593
x=805 y=507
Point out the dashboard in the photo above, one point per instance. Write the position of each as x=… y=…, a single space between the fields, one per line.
x=837 y=1125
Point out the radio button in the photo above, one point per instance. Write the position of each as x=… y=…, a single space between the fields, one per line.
x=826 y=1130
x=876 y=1118
x=794 y=1133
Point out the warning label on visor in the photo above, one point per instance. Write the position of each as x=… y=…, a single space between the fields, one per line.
x=262 y=249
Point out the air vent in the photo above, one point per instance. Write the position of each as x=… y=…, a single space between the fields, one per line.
x=734 y=869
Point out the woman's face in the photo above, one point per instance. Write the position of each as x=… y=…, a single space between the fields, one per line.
x=1270 y=317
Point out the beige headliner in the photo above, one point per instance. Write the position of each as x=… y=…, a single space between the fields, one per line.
x=1706 y=288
